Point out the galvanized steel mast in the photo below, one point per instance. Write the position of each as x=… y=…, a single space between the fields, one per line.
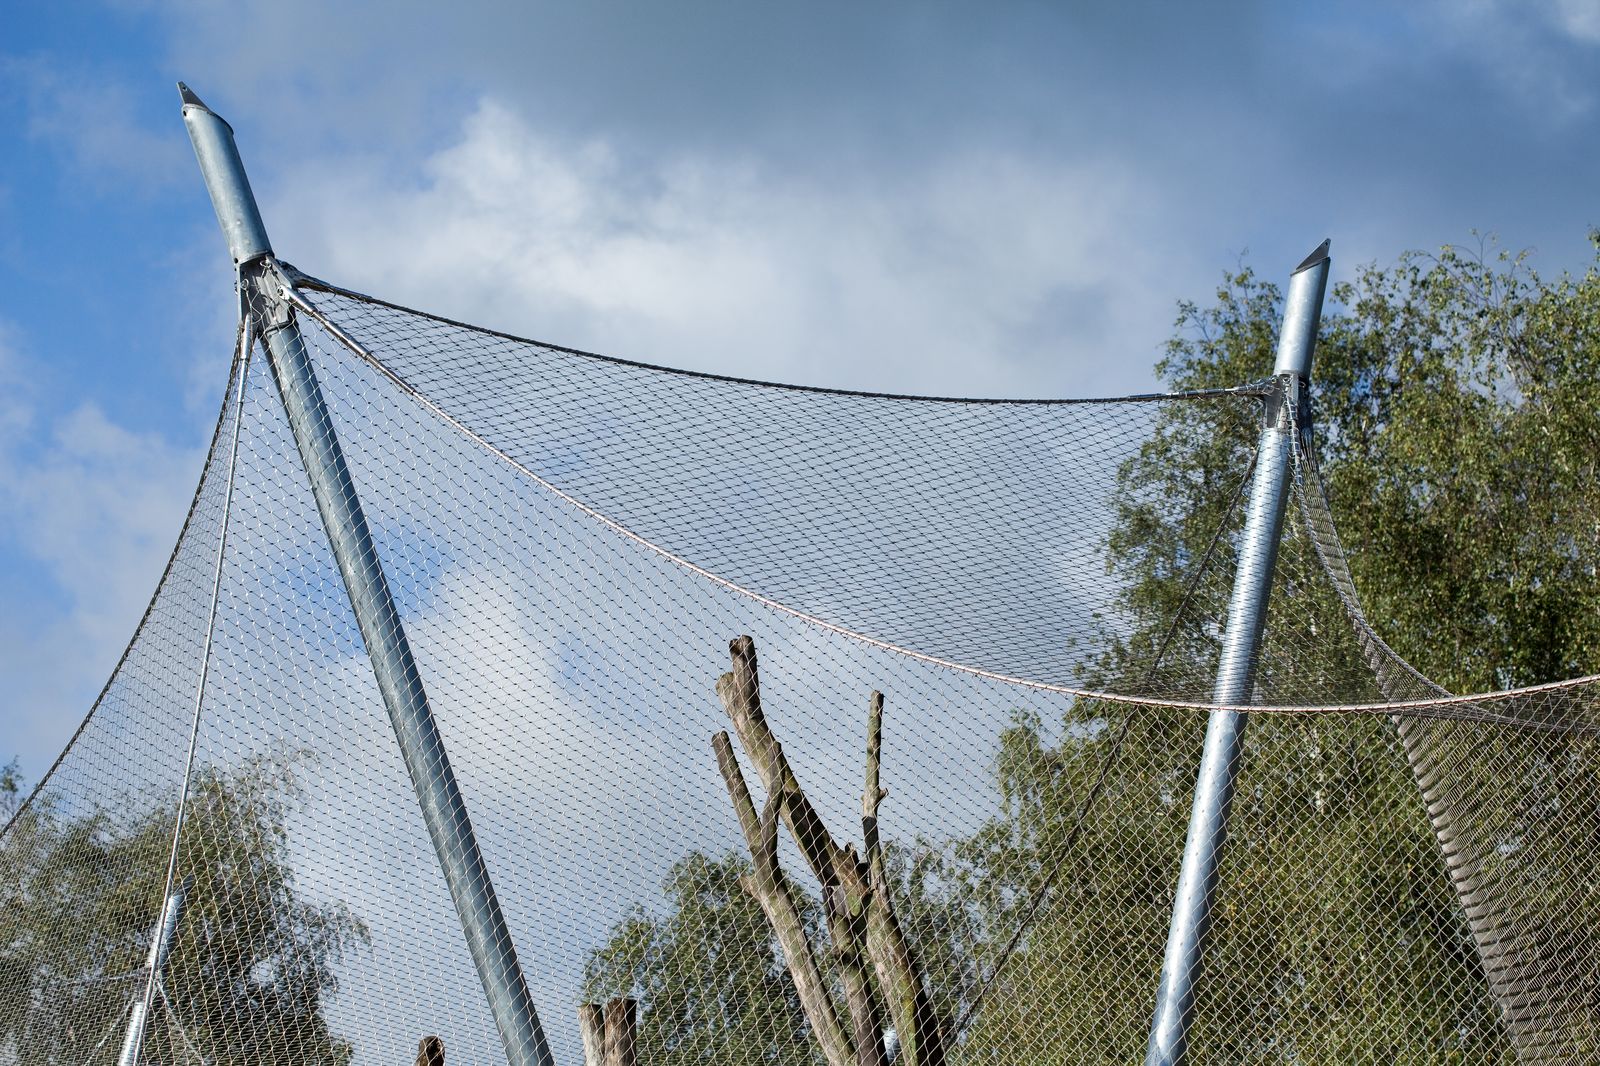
x=155 y=966
x=422 y=748
x=1236 y=670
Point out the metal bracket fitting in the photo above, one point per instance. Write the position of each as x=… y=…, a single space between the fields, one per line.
x=266 y=286
x=1288 y=407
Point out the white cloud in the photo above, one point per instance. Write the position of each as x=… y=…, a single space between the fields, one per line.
x=95 y=508
x=1525 y=48
x=100 y=508
x=989 y=273
x=1579 y=19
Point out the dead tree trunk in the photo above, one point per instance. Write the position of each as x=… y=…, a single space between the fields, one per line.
x=899 y=973
x=866 y=937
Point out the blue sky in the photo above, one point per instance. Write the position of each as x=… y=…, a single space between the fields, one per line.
x=951 y=198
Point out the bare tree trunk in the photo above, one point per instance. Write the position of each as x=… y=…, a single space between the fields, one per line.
x=844 y=884
x=855 y=893
x=740 y=692
x=592 y=1025
x=847 y=926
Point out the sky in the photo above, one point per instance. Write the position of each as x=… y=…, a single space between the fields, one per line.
x=995 y=199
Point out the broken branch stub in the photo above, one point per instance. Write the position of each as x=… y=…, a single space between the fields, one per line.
x=873 y=794
x=899 y=973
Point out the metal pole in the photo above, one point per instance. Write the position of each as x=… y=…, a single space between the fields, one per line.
x=160 y=948
x=443 y=809
x=1241 y=642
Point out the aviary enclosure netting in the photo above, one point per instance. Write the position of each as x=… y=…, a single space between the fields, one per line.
x=1037 y=589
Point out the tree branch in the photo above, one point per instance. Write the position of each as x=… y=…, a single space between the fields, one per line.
x=899 y=975
x=837 y=870
x=873 y=795
x=740 y=692
x=770 y=889
x=856 y=894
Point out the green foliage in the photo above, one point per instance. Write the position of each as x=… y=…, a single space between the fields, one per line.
x=1466 y=490
x=711 y=983
x=10 y=792
x=251 y=960
x=1337 y=934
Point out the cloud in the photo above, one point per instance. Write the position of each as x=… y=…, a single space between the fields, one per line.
x=1541 y=55
x=94 y=508
x=97 y=508
x=1578 y=19
x=989 y=271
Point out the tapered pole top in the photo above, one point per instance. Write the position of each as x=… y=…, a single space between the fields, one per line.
x=1318 y=254
x=225 y=179
x=1302 y=311
x=189 y=97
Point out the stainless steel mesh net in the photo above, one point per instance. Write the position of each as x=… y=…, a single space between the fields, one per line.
x=1037 y=589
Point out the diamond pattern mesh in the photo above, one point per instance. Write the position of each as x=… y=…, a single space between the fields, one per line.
x=1037 y=589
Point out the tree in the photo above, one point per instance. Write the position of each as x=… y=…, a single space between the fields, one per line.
x=879 y=970
x=251 y=960
x=753 y=925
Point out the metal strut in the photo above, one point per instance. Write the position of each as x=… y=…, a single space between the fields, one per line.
x=422 y=748
x=1241 y=644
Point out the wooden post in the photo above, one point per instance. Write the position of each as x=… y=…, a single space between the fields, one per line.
x=591 y=1023
x=430 y=1051
x=622 y=1032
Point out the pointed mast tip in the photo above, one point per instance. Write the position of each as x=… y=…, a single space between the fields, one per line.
x=1320 y=255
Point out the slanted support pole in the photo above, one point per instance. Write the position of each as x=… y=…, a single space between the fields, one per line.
x=1241 y=645
x=160 y=948
x=443 y=809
